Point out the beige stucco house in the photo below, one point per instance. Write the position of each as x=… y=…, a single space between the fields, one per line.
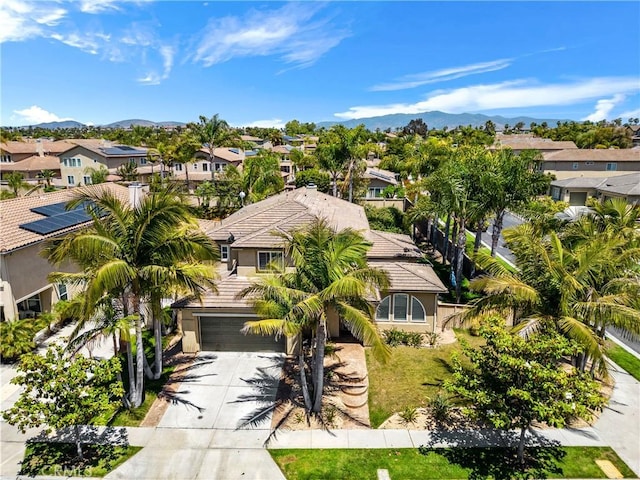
x=577 y=190
x=24 y=288
x=591 y=162
x=248 y=244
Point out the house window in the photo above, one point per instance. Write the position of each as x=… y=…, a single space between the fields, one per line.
x=219 y=167
x=30 y=307
x=374 y=192
x=65 y=162
x=177 y=167
x=588 y=164
x=71 y=180
x=265 y=259
x=285 y=168
x=143 y=161
x=575 y=165
x=205 y=167
x=224 y=253
x=395 y=308
x=87 y=180
x=555 y=193
x=382 y=312
x=6 y=159
x=400 y=307
x=195 y=166
x=612 y=166
x=63 y=294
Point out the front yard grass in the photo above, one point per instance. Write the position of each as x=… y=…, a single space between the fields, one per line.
x=624 y=359
x=59 y=459
x=410 y=378
x=446 y=463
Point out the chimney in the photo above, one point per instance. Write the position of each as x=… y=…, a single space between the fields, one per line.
x=39 y=148
x=135 y=194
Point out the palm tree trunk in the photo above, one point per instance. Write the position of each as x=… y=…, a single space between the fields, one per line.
x=445 y=246
x=462 y=241
x=478 y=239
x=136 y=401
x=335 y=184
x=454 y=237
x=497 y=229
x=157 y=333
x=318 y=372
x=303 y=382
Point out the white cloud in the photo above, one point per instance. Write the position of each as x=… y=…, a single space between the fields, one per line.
x=167 y=52
x=272 y=123
x=418 y=79
x=98 y=6
x=505 y=95
x=87 y=43
x=151 y=78
x=288 y=32
x=629 y=114
x=34 y=115
x=22 y=19
x=604 y=108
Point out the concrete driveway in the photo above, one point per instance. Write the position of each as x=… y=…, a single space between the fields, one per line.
x=225 y=391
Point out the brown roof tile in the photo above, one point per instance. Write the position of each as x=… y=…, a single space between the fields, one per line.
x=411 y=277
x=34 y=163
x=594 y=155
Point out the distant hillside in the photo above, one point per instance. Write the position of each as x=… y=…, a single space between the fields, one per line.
x=438 y=120
x=141 y=123
x=63 y=124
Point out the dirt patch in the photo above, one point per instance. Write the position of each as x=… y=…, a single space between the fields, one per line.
x=345 y=403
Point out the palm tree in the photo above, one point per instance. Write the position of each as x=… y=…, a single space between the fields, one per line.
x=261 y=176
x=331 y=277
x=574 y=286
x=47 y=176
x=15 y=181
x=137 y=254
x=212 y=133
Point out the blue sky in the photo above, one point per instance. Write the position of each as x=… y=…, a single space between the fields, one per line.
x=264 y=63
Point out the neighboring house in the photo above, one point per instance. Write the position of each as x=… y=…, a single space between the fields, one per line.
x=591 y=162
x=286 y=166
x=92 y=153
x=577 y=190
x=31 y=167
x=519 y=142
x=248 y=245
x=31 y=157
x=378 y=180
x=25 y=224
x=201 y=169
x=634 y=131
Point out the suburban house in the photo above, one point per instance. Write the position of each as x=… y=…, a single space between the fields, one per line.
x=31 y=157
x=249 y=242
x=92 y=153
x=31 y=168
x=201 y=169
x=577 y=190
x=591 y=162
x=25 y=224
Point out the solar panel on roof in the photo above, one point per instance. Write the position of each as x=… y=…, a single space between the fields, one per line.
x=57 y=218
x=55 y=209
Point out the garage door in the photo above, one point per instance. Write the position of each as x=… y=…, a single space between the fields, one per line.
x=577 y=199
x=222 y=334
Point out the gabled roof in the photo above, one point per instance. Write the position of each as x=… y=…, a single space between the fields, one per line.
x=47 y=146
x=387 y=245
x=411 y=277
x=620 y=184
x=594 y=155
x=252 y=225
x=34 y=163
x=17 y=211
x=106 y=148
x=231 y=155
x=379 y=174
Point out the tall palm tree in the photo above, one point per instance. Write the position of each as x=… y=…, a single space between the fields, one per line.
x=15 y=181
x=212 y=133
x=572 y=286
x=47 y=176
x=137 y=254
x=331 y=276
x=261 y=176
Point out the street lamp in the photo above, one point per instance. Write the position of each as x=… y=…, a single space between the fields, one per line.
x=242 y=195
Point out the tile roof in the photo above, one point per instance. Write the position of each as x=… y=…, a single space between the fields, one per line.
x=524 y=142
x=228 y=286
x=107 y=148
x=622 y=185
x=286 y=211
x=34 y=163
x=225 y=153
x=379 y=174
x=16 y=211
x=391 y=245
x=594 y=155
x=411 y=277
x=13 y=146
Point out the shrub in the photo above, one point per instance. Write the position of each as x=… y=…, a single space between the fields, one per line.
x=409 y=415
x=17 y=338
x=440 y=407
x=395 y=337
x=432 y=338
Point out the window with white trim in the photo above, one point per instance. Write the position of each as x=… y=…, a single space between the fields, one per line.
x=71 y=180
x=219 y=167
x=63 y=294
x=267 y=258
x=87 y=180
x=205 y=167
x=143 y=161
x=401 y=308
x=177 y=167
x=612 y=166
x=224 y=253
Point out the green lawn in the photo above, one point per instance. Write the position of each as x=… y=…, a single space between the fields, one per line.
x=629 y=362
x=59 y=459
x=450 y=463
x=409 y=378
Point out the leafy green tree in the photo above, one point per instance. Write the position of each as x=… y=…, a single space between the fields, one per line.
x=416 y=126
x=331 y=277
x=62 y=392
x=387 y=219
x=205 y=192
x=320 y=179
x=98 y=175
x=513 y=382
x=137 y=255
x=184 y=151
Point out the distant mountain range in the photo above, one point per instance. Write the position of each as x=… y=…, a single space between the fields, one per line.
x=432 y=119
x=438 y=120
x=119 y=124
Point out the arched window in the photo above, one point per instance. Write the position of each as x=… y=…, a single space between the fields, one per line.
x=400 y=307
x=382 y=312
